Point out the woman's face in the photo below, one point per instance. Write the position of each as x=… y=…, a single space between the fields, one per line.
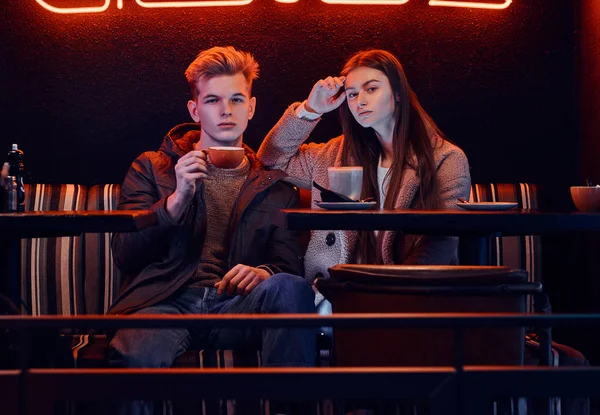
x=370 y=98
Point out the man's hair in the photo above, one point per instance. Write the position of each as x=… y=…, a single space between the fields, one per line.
x=219 y=61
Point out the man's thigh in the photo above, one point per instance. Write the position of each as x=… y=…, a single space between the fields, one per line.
x=281 y=293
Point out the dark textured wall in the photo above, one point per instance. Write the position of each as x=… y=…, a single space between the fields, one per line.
x=84 y=94
x=589 y=85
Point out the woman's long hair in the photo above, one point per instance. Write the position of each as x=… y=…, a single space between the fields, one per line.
x=414 y=137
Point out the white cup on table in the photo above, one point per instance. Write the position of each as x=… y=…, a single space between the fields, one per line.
x=346 y=180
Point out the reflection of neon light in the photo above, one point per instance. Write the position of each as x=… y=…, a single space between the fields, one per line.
x=286 y=1
x=119 y=4
x=475 y=5
x=208 y=3
x=365 y=1
x=67 y=10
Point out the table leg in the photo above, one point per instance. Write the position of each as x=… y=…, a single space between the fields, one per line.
x=10 y=269
x=476 y=250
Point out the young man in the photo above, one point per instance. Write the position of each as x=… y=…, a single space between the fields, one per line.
x=215 y=248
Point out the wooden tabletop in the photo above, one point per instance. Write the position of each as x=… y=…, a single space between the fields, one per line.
x=75 y=222
x=441 y=222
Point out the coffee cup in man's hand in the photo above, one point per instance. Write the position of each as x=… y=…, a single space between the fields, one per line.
x=225 y=157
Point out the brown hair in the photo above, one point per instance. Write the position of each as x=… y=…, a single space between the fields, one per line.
x=218 y=61
x=412 y=144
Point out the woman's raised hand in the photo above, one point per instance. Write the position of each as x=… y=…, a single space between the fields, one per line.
x=323 y=98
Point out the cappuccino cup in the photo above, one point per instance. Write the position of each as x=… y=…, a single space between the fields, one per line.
x=225 y=157
x=346 y=180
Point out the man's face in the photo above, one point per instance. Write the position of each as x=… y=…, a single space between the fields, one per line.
x=223 y=108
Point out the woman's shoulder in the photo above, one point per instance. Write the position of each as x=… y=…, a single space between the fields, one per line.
x=443 y=149
x=450 y=159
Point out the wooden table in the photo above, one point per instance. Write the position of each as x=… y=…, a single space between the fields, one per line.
x=15 y=226
x=474 y=227
x=441 y=222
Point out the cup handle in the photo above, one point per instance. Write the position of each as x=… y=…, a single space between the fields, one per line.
x=205 y=151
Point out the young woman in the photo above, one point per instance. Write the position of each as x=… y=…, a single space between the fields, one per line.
x=407 y=162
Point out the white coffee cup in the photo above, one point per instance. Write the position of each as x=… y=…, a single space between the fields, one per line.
x=346 y=180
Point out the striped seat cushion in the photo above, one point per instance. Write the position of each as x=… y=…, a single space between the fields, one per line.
x=52 y=268
x=521 y=252
x=102 y=277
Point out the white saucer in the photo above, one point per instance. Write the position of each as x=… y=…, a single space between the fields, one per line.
x=488 y=205
x=346 y=205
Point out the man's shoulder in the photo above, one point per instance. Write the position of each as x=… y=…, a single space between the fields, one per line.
x=283 y=193
x=153 y=160
x=286 y=187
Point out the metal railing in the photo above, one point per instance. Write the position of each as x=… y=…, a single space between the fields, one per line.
x=460 y=389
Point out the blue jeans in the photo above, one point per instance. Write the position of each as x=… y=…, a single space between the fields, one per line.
x=280 y=346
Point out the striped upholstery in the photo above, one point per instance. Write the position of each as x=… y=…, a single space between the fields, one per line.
x=102 y=277
x=52 y=268
x=520 y=252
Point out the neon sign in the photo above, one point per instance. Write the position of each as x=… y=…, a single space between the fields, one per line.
x=70 y=10
x=365 y=1
x=475 y=4
x=103 y=5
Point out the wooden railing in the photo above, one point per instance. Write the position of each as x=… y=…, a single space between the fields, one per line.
x=459 y=389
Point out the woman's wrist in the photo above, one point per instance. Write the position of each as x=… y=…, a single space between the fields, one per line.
x=303 y=113
x=308 y=108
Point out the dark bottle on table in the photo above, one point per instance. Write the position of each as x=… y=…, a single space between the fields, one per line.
x=11 y=194
x=17 y=169
x=3 y=179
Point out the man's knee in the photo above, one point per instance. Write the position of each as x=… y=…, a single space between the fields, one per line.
x=294 y=293
x=569 y=356
x=122 y=353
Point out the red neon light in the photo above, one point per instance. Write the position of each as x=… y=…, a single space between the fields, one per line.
x=207 y=3
x=69 y=10
x=365 y=1
x=477 y=5
x=215 y=3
